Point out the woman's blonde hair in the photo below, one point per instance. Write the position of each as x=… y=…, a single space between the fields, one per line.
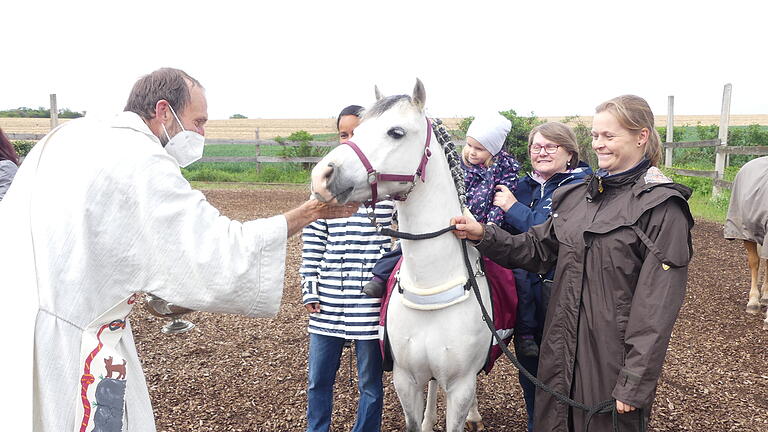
x=488 y=162
x=560 y=134
x=634 y=114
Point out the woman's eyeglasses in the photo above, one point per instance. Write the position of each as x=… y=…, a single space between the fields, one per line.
x=549 y=148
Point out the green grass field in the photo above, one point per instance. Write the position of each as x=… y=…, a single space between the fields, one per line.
x=237 y=150
x=246 y=171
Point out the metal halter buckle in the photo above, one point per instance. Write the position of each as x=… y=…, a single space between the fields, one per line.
x=373 y=177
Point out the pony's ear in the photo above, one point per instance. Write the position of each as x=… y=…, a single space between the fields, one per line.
x=419 y=95
x=378 y=93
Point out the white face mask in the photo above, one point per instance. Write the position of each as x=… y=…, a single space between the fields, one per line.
x=186 y=146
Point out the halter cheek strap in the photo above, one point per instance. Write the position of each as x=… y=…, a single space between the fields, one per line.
x=374 y=177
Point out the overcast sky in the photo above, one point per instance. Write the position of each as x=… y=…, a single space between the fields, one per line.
x=308 y=59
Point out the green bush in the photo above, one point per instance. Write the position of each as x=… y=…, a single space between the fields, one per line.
x=24 y=112
x=706 y=132
x=23 y=147
x=304 y=149
x=237 y=116
x=69 y=114
x=698 y=157
x=583 y=139
x=678 y=133
x=752 y=135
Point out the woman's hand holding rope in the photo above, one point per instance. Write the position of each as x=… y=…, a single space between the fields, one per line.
x=467 y=228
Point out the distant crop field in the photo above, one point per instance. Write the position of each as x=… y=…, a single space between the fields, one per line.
x=27 y=125
x=243 y=129
x=237 y=129
x=270 y=128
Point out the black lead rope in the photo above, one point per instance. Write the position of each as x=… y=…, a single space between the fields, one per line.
x=605 y=407
x=409 y=236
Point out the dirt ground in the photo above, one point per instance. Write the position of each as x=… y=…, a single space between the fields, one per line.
x=237 y=374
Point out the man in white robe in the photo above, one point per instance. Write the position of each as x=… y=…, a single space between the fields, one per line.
x=99 y=211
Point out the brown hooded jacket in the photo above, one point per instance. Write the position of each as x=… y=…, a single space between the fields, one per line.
x=622 y=245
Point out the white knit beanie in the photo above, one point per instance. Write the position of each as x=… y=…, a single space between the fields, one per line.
x=490 y=130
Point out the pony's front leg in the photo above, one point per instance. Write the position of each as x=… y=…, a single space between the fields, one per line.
x=474 y=420
x=460 y=397
x=411 y=395
x=430 y=413
x=753 y=305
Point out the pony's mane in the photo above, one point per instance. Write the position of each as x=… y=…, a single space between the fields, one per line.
x=384 y=104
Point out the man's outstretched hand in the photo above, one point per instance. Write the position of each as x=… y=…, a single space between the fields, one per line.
x=312 y=209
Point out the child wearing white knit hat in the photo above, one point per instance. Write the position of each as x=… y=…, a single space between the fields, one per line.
x=486 y=136
x=486 y=165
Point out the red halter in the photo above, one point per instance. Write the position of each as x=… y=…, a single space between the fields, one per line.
x=374 y=176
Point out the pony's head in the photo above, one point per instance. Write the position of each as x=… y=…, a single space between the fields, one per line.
x=391 y=136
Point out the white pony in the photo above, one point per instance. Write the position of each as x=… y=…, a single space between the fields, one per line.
x=435 y=329
x=748 y=220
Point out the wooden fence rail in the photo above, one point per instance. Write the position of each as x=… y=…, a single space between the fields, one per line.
x=696 y=173
x=744 y=150
x=688 y=144
x=268 y=143
x=24 y=136
x=722 y=151
x=257 y=144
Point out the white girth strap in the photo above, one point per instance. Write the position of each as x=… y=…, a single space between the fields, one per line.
x=438 y=297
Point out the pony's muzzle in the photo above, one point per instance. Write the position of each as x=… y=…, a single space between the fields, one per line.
x=321 y=178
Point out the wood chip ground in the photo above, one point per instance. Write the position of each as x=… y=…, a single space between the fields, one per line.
x=238 y=374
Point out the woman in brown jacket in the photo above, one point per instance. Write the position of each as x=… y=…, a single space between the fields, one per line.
x=621 y=244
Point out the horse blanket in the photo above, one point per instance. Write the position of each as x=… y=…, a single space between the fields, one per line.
x=748 y=211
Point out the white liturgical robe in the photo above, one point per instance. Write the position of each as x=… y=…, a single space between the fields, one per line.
x=97 y=212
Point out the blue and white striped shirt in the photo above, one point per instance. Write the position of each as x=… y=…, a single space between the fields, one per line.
x=337 y=260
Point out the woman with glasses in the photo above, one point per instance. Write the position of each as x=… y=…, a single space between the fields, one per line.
x=620 y=244
x=554 y=155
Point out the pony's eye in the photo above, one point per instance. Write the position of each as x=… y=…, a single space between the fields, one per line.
x=396 y=132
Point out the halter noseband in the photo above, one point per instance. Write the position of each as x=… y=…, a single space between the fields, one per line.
x=374 y=177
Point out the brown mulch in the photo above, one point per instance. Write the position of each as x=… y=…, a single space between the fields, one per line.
x=238 y=374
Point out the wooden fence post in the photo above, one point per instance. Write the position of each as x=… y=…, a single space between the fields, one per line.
x=720 y=158
x=258 y=151
x=670 y=130
x=54 y=112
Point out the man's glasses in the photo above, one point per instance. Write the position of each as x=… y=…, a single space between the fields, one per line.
x=549 y=148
